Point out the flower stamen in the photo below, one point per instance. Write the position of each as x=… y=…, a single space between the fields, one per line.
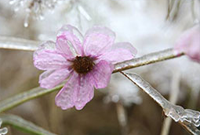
x=83 y=64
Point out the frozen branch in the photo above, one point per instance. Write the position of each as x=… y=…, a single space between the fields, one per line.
x=18 y=43
x=174 y=92
x=23 y=125
x=25 y=96
x=147 y=59
x=177 y=113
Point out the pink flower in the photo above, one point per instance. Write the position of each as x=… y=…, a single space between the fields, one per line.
x=189 y=43
x=86 y=61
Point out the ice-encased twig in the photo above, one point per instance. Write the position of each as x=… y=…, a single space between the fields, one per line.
x=3 y=131
x=173 y=97
x=147 y=59
x=25 y=96
x=18 y=43
x=191 y=128
x=177 y=113
x=24 y=125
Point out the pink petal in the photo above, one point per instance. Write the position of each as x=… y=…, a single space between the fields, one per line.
x=62 y=46
x=48 y=60
x=194 y=51
x=97 y=40
x=50 y=79
x=189 y=43
x=119 y=52
x=101 y=74
x=67 y=95
x=69 y=41
x=85 y=91
x=48 y=45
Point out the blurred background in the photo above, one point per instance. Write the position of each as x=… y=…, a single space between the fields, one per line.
x=121 y=108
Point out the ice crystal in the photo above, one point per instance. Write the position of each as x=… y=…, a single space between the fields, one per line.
x=4 y=130
x=33 y=8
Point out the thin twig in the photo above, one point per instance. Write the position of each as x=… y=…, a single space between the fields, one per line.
x=25 y=96
x=18 y=43
x=177 y=113
x=147 y=59
x=23 y=125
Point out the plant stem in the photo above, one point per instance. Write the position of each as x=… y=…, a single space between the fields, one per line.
x=25 y=96
x=18 y=43
x=23 y=125
x=147 y=59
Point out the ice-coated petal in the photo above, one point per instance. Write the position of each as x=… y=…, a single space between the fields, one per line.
x=67 y=95
x=48 y=60
x=189 y=43
x=69 y=39
x=85 y=91
x=78 y=91
x=101 y=74
x=119 y=52
x=51 y=78
x=97 y=40
x=48 y=45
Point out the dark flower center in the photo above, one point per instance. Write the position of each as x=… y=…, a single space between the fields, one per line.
x=83 y=65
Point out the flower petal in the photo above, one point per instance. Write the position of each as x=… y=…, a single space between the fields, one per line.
x=67 y=95
x=97 y=40
x=101 y=74
x=119 y=52
x=50 y=79
x=189 y=43
x=85 y=91
x=48 y=60
x=69 y=41
x=62 y=46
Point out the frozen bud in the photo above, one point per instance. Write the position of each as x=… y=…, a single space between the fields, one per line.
x=189 y=43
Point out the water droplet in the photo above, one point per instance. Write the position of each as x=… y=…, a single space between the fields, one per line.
x=26 y=21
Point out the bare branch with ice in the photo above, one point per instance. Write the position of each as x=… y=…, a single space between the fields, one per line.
x=186 y=117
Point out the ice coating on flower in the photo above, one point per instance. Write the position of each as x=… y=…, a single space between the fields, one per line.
x=86 y=61
x=189 y=43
